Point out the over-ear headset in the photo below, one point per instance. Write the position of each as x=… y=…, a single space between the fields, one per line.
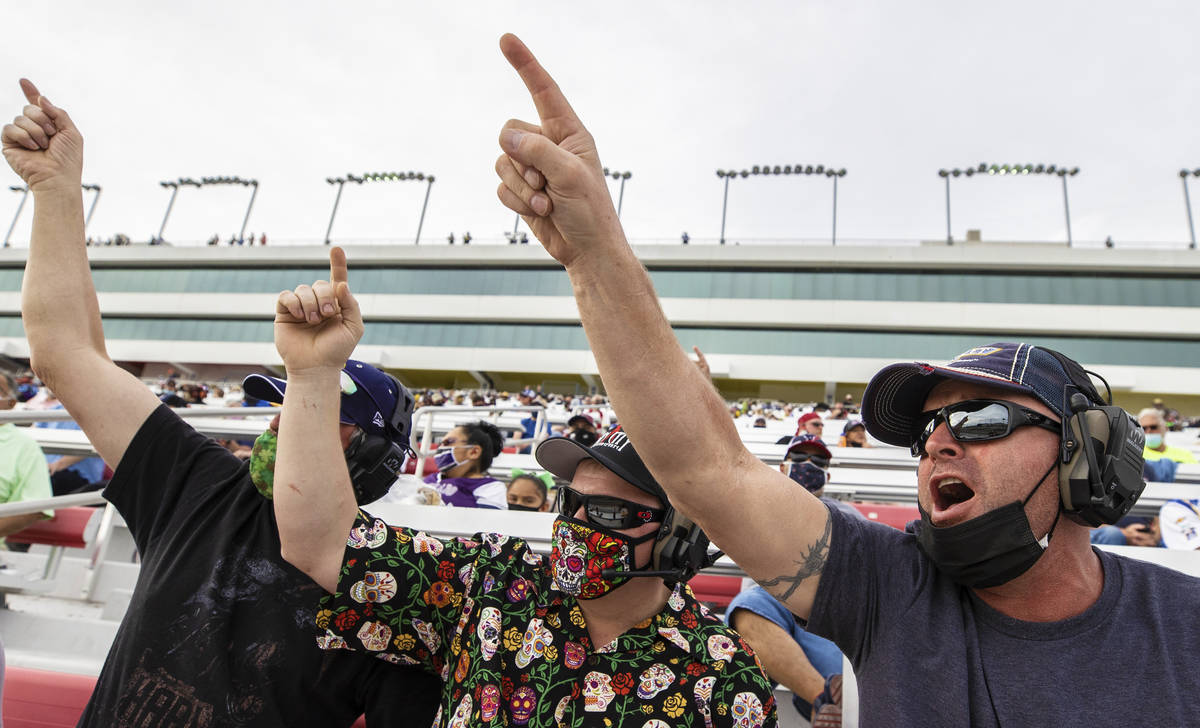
x=376 y=461
x=681 y=549
x=1100 y=475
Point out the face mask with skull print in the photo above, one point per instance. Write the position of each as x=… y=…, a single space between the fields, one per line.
x=581 y=552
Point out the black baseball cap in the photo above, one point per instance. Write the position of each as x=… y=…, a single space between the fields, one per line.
x=614 y=451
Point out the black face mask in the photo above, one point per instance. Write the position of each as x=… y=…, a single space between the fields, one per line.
x=987 y=550
x=583 y=437
x=519 y=507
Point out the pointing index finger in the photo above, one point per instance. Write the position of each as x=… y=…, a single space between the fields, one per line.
x=31 y=92
x=547 y=97
x=337 y=267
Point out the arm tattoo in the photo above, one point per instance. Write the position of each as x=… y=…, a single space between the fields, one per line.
x=812 y=563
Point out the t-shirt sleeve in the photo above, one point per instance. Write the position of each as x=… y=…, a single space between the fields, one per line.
x=404 y=595
x=873 y=573
x=165 y=471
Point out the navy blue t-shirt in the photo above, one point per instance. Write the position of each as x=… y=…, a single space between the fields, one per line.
x=928 y=652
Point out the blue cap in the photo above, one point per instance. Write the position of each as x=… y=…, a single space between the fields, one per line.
x=896 y=394
x=370 y=399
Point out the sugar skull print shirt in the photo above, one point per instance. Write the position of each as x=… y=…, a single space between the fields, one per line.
x=511 y=650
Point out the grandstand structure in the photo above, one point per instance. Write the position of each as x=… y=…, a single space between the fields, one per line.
x=791 y=322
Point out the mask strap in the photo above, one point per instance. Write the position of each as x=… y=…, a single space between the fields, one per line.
x=1045 y=540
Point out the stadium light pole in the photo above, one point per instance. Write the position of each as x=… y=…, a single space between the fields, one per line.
x=174 y=186
x=621 y=194
x=1063 y=173
x=20 y=206
x=424 y=205
x=805 y=169
x=340 y=182
x=1187 y=203
x=834 y=175
x=88 y=219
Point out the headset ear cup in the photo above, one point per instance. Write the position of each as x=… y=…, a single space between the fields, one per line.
x=1100 y=486
x=684 y=549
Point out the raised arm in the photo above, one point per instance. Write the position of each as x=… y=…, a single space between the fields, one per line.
x=551 y=174
x=58 y=302
x=316 y=329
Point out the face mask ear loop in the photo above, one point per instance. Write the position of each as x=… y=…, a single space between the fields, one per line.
x=1057 y=513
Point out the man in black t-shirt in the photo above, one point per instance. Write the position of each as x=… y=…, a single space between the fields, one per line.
x=219 y=629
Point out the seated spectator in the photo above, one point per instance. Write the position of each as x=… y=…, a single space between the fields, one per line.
x=1138 y=530
x=70 y=473
x=810 y=423
x=854 y=434
x=1152 y=421
x=1180 y=521
x=525 y=640
x=582 y=429
x=23 y=473
x=529 y=491
x=760 y=423
x=463 y=459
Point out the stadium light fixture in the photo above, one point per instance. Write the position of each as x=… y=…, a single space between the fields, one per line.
x=380 y=177
x=621 y=176
x=787 y=169
x=1187 y=203
x=1010 y=169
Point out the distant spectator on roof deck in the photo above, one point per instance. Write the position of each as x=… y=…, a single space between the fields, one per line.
x=854 y=434
x=463 y=459
x=1152 y=421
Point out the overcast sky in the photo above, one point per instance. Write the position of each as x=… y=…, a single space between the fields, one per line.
x=291 y=93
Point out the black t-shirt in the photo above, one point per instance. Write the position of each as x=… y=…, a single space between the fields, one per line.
x=220 y=630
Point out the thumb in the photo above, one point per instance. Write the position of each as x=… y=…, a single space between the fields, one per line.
x=535 y=150
x=348 y=303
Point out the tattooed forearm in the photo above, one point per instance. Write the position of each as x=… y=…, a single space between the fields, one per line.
x=812 y=564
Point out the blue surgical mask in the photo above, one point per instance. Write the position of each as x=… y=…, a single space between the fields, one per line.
x=1154 y=440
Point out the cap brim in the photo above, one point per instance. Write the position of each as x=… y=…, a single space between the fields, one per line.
x=272 y=389
x=261 y=386
x=896 y=395
x=561 y=456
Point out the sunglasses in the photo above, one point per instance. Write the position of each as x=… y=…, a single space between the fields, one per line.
x=607 y=510
x=978 y=420
x=799 y=457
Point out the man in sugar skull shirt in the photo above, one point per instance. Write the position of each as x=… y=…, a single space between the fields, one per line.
x=518 y=639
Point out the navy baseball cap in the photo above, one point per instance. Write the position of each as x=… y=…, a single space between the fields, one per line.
x=614 y=451
x=810 y=441
x=896 y=394
x=371 y=399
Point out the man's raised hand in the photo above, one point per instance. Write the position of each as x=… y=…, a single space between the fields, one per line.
x=318 y=326
x=550 y=172
x=42 y=144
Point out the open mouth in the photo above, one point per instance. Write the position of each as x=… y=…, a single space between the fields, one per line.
x=950 y=492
